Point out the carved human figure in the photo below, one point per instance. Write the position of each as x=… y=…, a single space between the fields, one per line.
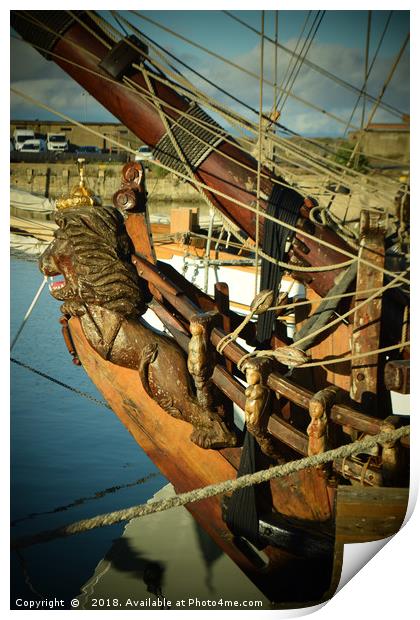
x=201 y=358
x=317 y=429
x=256 y=396
x=318 y=426
x=257 y=405
x=391 y=453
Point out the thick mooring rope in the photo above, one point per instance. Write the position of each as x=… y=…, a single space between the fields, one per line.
x=214 y=489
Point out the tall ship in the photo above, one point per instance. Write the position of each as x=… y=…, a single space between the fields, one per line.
x=314 y=367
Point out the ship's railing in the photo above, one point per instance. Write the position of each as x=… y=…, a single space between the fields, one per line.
x=179 y=298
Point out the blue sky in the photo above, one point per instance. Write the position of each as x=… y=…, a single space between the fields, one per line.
x=339 y=47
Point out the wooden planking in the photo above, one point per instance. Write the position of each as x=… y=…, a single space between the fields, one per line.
x=166 y=441
x=364 y=514
x=333 y=343
x=139 y=231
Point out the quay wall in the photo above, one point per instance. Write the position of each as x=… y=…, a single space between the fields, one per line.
x=55 y=179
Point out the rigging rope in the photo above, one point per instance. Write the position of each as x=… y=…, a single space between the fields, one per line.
x=369 y=23
x=275 y=70
x=216 y=192
x=288 y=68
x=107 y=28
x=130 y=85
x=381 y=94
x=281 y=355
x=326 y=298
x=101 y=403
x=119 y=22
x=35 y=22
x=178 y=149
x=227 y=486
x=242 y=69
x=90 y=30
x=362 y=93
x=233 y=116
x=204 y=97
x=318 y=68
x=312 y=335
x=290 y=148
x=29 y=312
x=257 y=219
x=301 y=58
x=356 y=356
x=287 y=145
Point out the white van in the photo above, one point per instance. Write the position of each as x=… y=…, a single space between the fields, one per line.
x=20 y=136
x=144 y=153
x=57 y=142
x=33 y=146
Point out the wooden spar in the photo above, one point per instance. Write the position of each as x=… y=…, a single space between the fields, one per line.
x=86 y=56
x=358 y=519
x=367 y=320
x=81 y=47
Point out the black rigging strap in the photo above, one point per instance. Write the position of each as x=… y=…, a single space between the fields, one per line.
x=284 y=204
x=242 y=516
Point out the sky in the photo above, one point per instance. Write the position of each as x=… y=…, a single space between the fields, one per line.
x=338 y=46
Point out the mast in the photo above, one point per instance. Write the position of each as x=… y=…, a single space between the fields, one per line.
x=87 y=53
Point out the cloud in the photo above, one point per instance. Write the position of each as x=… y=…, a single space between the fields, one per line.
x=47 y=82
x=41 y=79
x=26 y=63
x=318 y=90
x=61 y=94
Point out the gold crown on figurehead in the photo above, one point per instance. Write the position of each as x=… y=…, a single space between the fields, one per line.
x=81 y=195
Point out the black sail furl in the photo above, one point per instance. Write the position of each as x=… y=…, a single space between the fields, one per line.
x=284 y=203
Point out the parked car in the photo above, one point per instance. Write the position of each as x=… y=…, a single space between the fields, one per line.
x=88 y=149
x=33 y=146
x=144 y=153
x=57 y=142
x=20 y=136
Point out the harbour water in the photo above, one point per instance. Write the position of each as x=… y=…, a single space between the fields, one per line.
x=65 y=449
x=71 y=458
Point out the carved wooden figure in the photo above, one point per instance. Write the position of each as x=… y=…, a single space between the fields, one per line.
x=391 y=457
x=257 y=411
x=317 y=429
x=92 y=252
x=201 y=358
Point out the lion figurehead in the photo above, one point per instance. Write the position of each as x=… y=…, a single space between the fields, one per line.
x=92 y=251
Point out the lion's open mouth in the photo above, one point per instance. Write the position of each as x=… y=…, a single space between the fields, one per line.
x=56 y=283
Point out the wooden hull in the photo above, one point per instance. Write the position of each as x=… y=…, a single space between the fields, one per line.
x=166 y=441
x=359 y=514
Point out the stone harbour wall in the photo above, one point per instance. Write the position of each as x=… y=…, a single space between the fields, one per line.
x=57 y=179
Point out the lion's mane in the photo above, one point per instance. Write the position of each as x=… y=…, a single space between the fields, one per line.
x=102 y=259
